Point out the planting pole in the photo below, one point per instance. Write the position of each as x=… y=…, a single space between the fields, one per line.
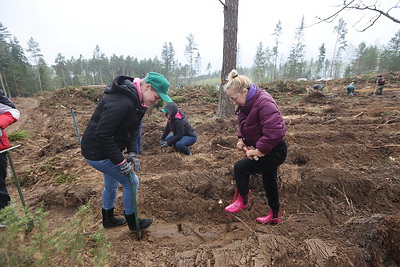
x=16 y=182
x=138 y=231
x=76 y=126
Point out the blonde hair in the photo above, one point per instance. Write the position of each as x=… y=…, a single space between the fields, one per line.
x=237 y=82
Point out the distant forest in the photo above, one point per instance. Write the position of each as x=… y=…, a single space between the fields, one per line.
x=24 y=72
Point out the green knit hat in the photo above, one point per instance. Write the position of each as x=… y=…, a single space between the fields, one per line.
x=160 y=84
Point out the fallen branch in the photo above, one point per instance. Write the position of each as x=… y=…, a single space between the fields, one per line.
x=224 y=147
x=191 y=231
x=358 y=115
x=251 y=230
x=387 y=122
x=390 y=145
x=349 y=201
x=332 y=120
x=313 y=211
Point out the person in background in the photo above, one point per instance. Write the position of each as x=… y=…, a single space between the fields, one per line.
x=183 y=135
x=260 y=125
x=350 y=89
x=381 y=84
x=319 y=86
x=114 y=127
x=9 y=114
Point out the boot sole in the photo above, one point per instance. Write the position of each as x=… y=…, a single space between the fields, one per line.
x=237 y=211
x=134 y=230
x=269 y=223
x=111 y=226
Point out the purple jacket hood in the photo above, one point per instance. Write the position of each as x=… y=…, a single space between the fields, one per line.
x=260 y=123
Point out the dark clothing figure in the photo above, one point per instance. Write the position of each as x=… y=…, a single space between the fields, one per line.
x=4 y=196
x=8 y=115
x=268 y=167
x=183 y=135
x=319 y=86
x=115 y=126
x=381 y=84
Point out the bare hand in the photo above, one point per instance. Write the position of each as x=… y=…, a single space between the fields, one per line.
x=240 y=144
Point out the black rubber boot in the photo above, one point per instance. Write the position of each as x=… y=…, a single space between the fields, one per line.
x=143 y=223
x=109 y=220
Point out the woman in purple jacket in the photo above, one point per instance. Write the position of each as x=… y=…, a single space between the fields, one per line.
x=261 y=128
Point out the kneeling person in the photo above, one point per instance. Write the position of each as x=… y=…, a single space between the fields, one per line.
x=183 y=135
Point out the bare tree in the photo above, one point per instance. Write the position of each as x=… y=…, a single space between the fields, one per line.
x=231 y=7
x=375 y=10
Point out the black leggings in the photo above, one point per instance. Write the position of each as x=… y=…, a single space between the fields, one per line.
x=268 y=167
x=4 y=196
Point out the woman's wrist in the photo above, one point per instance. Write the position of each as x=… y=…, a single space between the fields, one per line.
x=259 y=153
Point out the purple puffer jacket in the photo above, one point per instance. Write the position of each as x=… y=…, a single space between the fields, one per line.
x=260 y=123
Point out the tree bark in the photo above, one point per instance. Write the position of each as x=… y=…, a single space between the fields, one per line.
x=231 y=7
x=2 y=84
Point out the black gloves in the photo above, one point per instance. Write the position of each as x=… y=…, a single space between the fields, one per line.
x=133 y=159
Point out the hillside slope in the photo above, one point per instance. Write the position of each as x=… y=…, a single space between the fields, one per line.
x=339 y=187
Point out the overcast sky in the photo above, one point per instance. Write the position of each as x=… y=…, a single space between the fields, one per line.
x=140 y=28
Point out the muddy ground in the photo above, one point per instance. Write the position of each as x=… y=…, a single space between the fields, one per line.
x=339 y=187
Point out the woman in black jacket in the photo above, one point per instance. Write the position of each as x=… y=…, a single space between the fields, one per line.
x=114 y=127
x=183 y=135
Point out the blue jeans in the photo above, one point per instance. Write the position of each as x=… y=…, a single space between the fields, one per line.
x=112 y=178
x=182 y=145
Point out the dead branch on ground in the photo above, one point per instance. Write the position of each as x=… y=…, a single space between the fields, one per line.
x=224 y=147
x=248 y=227
x=349 y=201
x=388 y=122
x=358 y=115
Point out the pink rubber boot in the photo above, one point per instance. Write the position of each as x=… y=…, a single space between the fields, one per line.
x=269 y=219
x=238 y=204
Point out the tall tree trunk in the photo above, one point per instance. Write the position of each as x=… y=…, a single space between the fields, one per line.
x=231 y=7
x=3 y=86
x=39 y=79
x=333 y=57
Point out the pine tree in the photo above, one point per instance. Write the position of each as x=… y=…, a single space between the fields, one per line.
x=358 y=62
x=5 y=59
x=19 y=71
x=389 y=58
x=260 y=64
x=197 y=64
x=320 y=61
x=296 y=56
x=209 y=68
x=33 y=48
x=190 y=53
x=61 y=70
x=229 y=57
x=168 y=60
x=275 y=49
x=341 y=30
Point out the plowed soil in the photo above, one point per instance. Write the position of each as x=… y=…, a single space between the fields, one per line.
x=339 y=187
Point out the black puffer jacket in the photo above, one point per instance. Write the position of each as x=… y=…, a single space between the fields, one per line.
x=115 y=122
x=180 y=127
